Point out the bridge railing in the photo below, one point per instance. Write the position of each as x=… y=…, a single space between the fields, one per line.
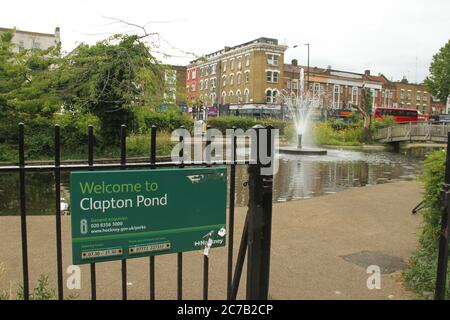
x=414 y=132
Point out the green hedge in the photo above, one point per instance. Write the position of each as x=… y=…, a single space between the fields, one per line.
x=168 y=121
x=421 y=274
x=227 y=122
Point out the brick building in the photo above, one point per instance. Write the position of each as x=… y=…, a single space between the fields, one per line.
x=411 y=95
x=336 y=89
x=244 y=79
x=192 y=84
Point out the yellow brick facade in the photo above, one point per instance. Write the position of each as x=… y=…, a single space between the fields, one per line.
x=238 y=75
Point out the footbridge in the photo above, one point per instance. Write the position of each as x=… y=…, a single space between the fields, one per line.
x=413 y=132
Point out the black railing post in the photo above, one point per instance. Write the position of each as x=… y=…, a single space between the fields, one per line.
x=91 y=165
x=152 y=166
x=231 y=215
x=441 y=276
x=182 y=144
x=260 y=216
x=23 y=214
x=58 y=211
x=123 y=163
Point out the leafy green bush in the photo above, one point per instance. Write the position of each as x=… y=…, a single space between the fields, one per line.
x=421 y=274
x=166 y=121
x=227 y=122
x=332 y=133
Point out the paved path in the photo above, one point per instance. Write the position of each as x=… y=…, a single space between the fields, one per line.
x=310 y=240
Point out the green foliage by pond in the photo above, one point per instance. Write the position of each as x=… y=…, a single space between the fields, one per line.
x=227 y=122
x=421 y=274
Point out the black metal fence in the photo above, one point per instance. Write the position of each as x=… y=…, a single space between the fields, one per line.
x=256 y=234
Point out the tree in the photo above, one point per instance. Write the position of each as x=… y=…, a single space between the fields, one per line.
x=28 y=93
x=365 y=109
x=438 y=82
x=111 y=80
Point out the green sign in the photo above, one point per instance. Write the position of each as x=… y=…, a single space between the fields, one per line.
x=136 y=213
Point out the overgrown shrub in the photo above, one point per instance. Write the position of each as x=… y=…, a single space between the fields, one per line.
x=421 y=274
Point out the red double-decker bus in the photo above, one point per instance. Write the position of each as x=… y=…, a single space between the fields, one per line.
x=399 y=114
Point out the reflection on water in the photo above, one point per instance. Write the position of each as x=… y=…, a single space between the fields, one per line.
x=298 y=177
x=304 y=177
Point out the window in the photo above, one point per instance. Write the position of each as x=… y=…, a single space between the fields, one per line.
x=224 y=66
x=272 y=59
x=408 y=95
x=188 y=75
x=247 y=77
x=213 y=68
x=238 y=78
x=238 y=96
x=207 y=70
x=272 y=76
x=224 y=97
x=224 y=81
x=402 y=94
x=206 y=84
x=336 y=96
x=239 y=63
x=288 y=84
x=294 y=84
x=193 y=87
x=231 y=95
x=247 y=95
x=231 y=80
x=232 y=64
x=194 y=74
x=247 y=60
x=202 y=72
x=213 y=83
x=271 y=95
x=21 y=45
x=316 y=89
x=275 y=77
x=201 y=84
x=36 y=44
x=418 y=98
x=355 y=95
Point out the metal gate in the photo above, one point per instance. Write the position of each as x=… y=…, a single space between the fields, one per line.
x=256 y=236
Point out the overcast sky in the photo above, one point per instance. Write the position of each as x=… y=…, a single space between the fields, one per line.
x=394 y=37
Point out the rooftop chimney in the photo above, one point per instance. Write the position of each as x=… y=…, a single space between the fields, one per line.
x=294 y=62
x=367 y=72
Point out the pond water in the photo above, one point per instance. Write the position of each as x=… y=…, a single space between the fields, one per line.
x=298 y=177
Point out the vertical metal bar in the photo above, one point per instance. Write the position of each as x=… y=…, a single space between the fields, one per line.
x=442 y=264
x=153 y=166
x=240 y=260
x=180 y=254
x=123 y=162
x=91 y=165
x=231 y=214
x=260 y=219
x=205 y=257
x=58 y=211
x=23 y=215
